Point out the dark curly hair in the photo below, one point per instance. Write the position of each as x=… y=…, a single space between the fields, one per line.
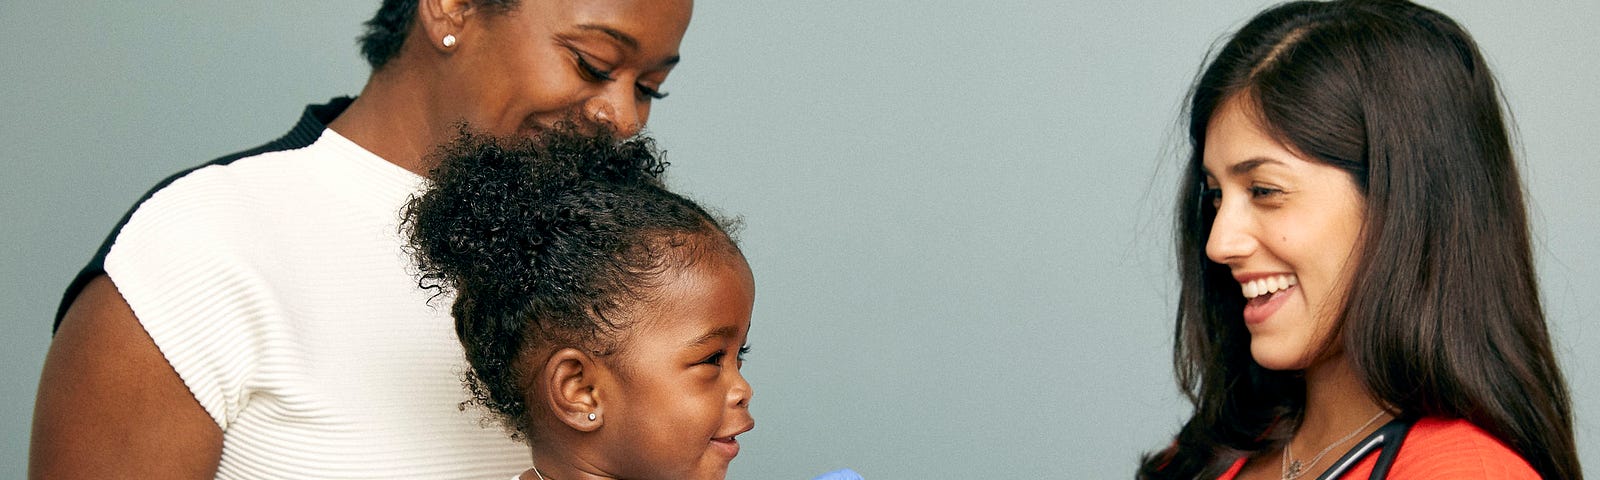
x=387 y=29
x=542 y=241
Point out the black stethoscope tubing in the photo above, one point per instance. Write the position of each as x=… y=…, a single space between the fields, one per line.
x=1387 y=438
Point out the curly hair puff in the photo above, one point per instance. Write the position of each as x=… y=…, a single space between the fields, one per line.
x=540 y=239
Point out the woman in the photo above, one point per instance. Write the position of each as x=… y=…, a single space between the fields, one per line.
x=255 y=317
x=1353 y=251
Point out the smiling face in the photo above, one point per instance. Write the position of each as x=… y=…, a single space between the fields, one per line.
x=1288 y=227
x=550 y=60
x=677 y=398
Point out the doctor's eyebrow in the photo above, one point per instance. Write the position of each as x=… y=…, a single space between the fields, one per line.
x=1244 y=167
x=1247 y=166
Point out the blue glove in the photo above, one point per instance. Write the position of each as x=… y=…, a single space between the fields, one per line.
x=846 y=474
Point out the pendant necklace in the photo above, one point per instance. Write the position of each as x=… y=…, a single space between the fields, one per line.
x=1293 y=469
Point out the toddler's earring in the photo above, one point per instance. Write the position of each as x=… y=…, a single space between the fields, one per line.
x=449 y=41
x=592 y=416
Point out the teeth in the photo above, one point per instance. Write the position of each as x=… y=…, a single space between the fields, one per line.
x=1263 y=286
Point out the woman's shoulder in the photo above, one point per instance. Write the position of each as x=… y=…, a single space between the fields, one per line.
x=1447 y=436
x=1442 y=448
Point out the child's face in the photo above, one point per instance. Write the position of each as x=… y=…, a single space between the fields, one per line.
x=679 y=399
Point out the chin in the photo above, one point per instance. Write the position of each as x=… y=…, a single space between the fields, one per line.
x=1274 y=355
x=712 y=472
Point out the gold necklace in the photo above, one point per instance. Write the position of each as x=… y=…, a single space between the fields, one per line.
x=1294 y=469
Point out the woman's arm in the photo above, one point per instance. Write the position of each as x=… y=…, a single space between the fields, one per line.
x=110 y=406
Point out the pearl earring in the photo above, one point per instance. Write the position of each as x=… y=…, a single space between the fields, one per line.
x=449 y=41
x=592 y=416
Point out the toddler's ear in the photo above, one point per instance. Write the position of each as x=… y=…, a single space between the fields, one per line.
x=570 y=379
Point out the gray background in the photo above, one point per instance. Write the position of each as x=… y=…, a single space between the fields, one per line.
x=956 y=210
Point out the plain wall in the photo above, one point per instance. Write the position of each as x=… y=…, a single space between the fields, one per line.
x=956 y=210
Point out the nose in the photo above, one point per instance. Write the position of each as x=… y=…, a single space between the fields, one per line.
x=1231 y=239
x=741 y=392
x=618 y=108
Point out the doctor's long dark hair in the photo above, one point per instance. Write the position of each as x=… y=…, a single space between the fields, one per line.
x=1443 y=316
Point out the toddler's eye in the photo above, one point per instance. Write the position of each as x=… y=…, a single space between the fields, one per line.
x=715 y=358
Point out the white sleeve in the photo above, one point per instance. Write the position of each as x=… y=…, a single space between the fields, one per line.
x=184 y=265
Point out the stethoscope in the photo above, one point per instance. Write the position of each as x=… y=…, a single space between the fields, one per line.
x=1386 y=441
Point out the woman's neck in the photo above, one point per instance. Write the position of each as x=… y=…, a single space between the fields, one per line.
x=392 y=118
x=1336 y=400
x=1339 y=411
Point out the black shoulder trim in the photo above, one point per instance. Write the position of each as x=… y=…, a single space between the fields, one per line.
x=305 y=132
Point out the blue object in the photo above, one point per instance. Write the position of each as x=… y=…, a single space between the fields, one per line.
x=845 y=474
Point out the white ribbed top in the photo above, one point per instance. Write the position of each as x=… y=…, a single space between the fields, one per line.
x=277 y=288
